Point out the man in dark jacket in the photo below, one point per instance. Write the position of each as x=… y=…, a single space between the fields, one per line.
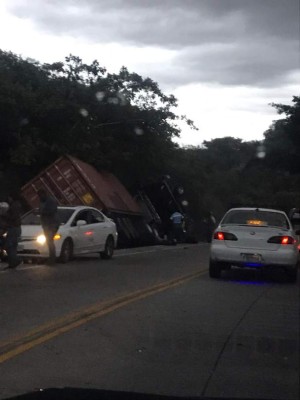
x=12 y=220
x=49 y=221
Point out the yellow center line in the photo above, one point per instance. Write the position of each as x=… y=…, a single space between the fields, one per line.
x=54 y=328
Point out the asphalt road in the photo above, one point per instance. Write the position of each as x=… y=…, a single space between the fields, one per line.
x=150 y=321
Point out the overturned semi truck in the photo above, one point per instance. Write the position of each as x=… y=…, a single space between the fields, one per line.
x=73 y=182
x=141 y=219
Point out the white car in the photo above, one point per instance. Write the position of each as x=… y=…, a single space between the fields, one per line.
x=254 y=238
x=82 y=230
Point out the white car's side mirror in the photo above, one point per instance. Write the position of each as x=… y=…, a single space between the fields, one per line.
x=81 y=222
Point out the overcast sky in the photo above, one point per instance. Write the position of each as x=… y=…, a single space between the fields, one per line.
x=225 y=60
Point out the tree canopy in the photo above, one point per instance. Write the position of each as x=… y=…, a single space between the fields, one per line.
x=124 y=123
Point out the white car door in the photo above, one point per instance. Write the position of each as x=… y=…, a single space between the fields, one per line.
x=83 y=236
x=101 y=230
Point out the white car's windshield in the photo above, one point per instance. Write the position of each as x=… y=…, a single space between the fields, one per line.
x=256 y=218
x=33 y=217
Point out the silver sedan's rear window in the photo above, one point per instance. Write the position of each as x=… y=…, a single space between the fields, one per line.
x=255 y=218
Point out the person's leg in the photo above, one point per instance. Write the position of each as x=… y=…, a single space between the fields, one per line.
x=13 y=235
x=49 y=233
x=209 y=233
x=181 y=235
x=173 y=239
x=2 y=246
x=177 y=232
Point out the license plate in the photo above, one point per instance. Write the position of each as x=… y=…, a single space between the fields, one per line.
x=252 y=257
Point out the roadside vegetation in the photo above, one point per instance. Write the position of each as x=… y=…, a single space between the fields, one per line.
x=124 y=123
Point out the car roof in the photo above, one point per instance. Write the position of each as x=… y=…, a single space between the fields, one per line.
x=71 y=207
x=256 y=208
x=75 y=208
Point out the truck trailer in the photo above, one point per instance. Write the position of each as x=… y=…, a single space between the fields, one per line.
x=73 y=182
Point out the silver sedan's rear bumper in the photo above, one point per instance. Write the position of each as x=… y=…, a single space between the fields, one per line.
x=286 y=256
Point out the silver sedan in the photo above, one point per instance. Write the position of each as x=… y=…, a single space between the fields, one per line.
x=254 y=238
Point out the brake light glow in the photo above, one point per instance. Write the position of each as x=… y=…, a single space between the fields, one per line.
x=219 y=236
x=88 y=233
x=224 y=236
x=282 y=240
x=287 y=240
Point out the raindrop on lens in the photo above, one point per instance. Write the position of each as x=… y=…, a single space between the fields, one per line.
x=100 y=96
x=84 y=112
x=24 y=121
x=113 y=100
x=138 y=131
x=122 y=98
x=261 y=152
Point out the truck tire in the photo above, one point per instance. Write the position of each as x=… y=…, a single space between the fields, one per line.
x=109 y=249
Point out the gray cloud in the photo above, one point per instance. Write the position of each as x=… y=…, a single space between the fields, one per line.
x=248 y=42
x=261 y=63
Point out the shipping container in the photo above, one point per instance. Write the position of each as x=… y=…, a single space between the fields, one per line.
x=73 y=182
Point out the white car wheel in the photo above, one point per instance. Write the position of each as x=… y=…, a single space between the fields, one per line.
x=66 y=253
x=109 y=249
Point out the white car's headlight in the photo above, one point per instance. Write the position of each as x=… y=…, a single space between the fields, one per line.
x=41 y=239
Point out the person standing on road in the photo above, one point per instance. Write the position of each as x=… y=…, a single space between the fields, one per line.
x=12 y=220
x=177 y=226
x=211 y=225
x=3 y=210
x=49 y=221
